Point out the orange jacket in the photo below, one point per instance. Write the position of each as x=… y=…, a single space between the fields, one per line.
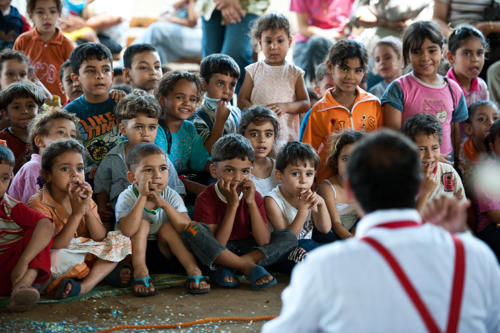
x=328 y=116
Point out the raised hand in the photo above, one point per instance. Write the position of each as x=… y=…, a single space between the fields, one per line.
x=230 y=191
x=248 y=190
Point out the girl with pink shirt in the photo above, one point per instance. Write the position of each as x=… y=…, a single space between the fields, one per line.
x=273 y=82
x=423 y=90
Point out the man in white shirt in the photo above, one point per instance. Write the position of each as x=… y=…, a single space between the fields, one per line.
x=397 y=274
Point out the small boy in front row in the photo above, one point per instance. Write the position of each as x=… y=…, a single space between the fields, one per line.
x=138 y=114
x=142 y=67
x=153 y=216
x=25 y=241
x=439 y=178
x=234 y=213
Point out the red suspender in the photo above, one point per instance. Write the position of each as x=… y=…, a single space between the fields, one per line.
x=457 y=288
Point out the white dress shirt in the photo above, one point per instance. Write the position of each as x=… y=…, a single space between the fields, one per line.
x=349 y=287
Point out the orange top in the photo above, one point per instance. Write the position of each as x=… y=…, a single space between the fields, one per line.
x=46 y=57
x=470 y=151
x=328 y=116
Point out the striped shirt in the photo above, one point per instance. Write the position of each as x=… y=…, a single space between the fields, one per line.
x=466 y=11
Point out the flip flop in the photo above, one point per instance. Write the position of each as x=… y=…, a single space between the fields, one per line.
x=220 y=275
x=258 y=272
x=75 y=288
x=113 y=278
x=23 y=298
x=196 y=279
x=145 y=281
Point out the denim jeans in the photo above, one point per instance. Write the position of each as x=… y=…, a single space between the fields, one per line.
x=233 y=40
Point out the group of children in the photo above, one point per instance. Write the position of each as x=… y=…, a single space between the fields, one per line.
x=124 y=177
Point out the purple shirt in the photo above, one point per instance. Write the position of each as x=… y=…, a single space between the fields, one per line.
x=24 y=184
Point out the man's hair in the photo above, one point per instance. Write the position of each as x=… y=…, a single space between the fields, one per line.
x=31 y=4
x=9 y=54
x=89 y=51
x=21 y=89
x=64 y=65
x=474 y=107
x=346 y=49
x=137 y=102
x=218 y=64
x=422 y=123
x=134 y=49
x=6 y=156
x=232 y=146
x=258 y=114
x=384 y=171
x=39 y=126
x=294 y=153
x=140 y=151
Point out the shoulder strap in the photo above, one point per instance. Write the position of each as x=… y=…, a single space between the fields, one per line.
x=206 y=118
x=451 y=92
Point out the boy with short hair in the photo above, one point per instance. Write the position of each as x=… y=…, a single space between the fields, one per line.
x=234 y=213
x=92 y=66
x=71 y=88
x=153 y=216
x=142 y=67
x=25 y=241
x=439 y=178
x=345 y=105
x=138 y=115
x=216 y=116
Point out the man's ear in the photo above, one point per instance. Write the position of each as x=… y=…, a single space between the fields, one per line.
x=212 y=168
x=130 y=177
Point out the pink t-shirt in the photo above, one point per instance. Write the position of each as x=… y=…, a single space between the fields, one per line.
x=24 y=184
x=478 y=88
x=329 y=14
x=412 y=96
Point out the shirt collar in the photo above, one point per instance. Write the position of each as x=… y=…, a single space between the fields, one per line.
x=385 y=216
x=474 y=85
x=221 y=196
x=56 y=39
x=210 y=102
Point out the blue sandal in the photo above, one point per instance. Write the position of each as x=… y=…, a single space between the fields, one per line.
x=146 y=282
x=220 y=275
x=257 y=273
x=196 y=279
x=75 y=288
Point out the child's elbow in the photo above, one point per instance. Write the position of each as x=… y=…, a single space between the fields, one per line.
x=47 y=225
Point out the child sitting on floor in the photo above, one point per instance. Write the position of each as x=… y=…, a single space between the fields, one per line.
x=260 y=126
x=67 y=199
x=342 y=212
x=234 y=213
x=439 y=178
x=25 y=240
x=153 y=216
x=292 y=205
x=19 y=103
x=46 y=128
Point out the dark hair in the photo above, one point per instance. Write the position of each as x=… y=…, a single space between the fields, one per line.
x=168 y=82
x=138 y=152
x=422 y=123
x=321 y=72
x=492 y=134
x=21 y=89
x=337 y=142
x=415 y=35
x=9 y=54
x=117 y=71
x=56 y=149
x=312 y=94
x=6 y=156
x=218 y=64
x=474 y=107
x=134 y=49
x=460 y=34
x=392 y=42
x=232 y=146
x=123 y=87
x=89 y=51
x=258 y=114
x=39 y=126
x=347 y=49
x=270 y=21
x=31 y=4
x=293 y=153
x=165 y=69
x=63 y=67
x=384 y=171
x=135 y=103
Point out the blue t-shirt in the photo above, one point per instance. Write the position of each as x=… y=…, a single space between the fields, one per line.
x=187 y=151
x=98 y=130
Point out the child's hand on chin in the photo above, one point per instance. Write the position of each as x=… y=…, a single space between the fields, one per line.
x=248 y=189
x=145 y=186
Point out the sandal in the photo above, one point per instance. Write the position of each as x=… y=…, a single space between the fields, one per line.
x=146 y=282
x=23 y=298
x=114 y=279
x=197 y=279
x=220 y=278
x=257 y=273
x=75 y=288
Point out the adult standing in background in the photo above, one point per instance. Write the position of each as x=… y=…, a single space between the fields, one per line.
x=226 y=26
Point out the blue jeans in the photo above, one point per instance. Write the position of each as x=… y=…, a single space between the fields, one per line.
x=233 y=40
